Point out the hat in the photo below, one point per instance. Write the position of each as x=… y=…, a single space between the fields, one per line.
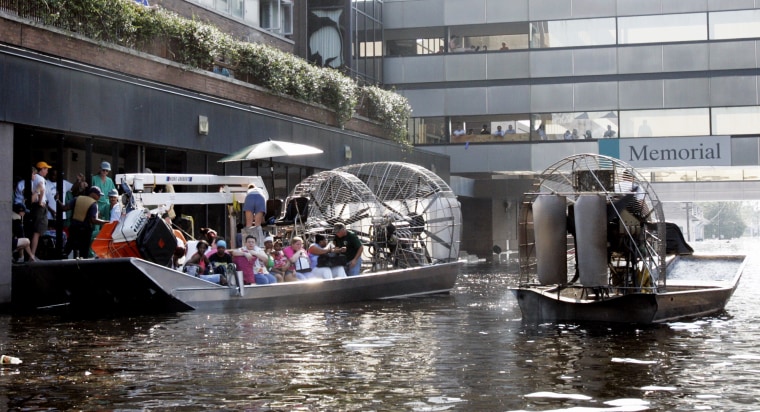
x=113 y=193
x=96 y=190
x=338 y=227
x=221 y=243
x=105 y=166
x=43 y=165
x=268 y=239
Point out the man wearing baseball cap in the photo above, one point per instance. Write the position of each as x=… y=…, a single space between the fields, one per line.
x=105 y=184
x=38 y=205
x=348 y=243
x=83 y=219
x=115 y=205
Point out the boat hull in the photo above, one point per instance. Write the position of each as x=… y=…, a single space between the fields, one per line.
x=135 y=286
x=682 y=299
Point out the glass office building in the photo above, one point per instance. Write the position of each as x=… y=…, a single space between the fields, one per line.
x=509 y=87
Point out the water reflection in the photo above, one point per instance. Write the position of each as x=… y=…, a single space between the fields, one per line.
x=466 y=351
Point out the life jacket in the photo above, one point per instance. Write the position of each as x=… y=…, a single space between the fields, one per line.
x=81 y=205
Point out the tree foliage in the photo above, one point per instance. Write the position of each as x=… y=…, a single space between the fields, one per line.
x=726 y=221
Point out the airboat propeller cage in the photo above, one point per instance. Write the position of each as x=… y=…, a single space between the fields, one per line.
x=410 y=205
x=606 y=205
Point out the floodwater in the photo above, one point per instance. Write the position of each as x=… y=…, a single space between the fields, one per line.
x=467 y=351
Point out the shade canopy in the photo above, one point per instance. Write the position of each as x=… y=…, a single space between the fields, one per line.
x=271 y=148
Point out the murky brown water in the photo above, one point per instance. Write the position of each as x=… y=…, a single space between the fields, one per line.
x=463 y=352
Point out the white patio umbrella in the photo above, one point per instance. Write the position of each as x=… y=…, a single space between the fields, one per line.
x=269 y=149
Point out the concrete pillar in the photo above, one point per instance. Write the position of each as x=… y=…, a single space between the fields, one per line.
x=6 y=203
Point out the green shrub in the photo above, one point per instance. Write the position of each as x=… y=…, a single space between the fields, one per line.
x=199 y=45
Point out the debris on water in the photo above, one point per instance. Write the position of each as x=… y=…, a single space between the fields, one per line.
x=9 y=360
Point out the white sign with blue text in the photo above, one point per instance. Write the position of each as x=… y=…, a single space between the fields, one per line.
x=677 y=151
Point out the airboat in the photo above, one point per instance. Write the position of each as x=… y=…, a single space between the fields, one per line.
x=595 y=247
x=408 y=219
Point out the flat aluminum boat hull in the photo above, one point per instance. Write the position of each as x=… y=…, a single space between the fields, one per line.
x=682 y=299
x=135 y=286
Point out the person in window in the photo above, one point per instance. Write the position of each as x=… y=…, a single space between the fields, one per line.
x=459 y=131
x=504 y=46
x=510 y=129
x=484 y=129
x=609 y=133
x=499 y=132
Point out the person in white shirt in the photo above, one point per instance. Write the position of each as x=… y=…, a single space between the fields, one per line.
x=51 y=192
x=113 y=200
x=499 y=132
x=39 y=205
x=459 y=131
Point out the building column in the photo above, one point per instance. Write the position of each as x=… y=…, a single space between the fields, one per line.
x=6 y=203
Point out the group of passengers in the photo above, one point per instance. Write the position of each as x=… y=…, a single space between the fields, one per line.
x=82 y=207
x=275 y=263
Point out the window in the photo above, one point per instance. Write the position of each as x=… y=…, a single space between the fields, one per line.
x=735 y=120
x=735 y=25
x=662 y=29
x=572 y=33
x=674 y=122
x=277 y=16
x=575 y=126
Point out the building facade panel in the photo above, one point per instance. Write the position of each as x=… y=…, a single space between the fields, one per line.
x=551 y=63
x=733 y=91
x=460 y=67
x=422 y=13
x=589 y=62
x=508 y=99
x=693 y=92
x=745 y=151
x=683 y=6
x=593 y=8
x=638 y=7
x=421 y=70
x=393 y=70
x=595 y=96
x=640 y=59
x=466 y=101
x=641 y=94
x=685 y=57
x=549 y=9
x=464 y=12
x=551 y=98
x=734 y=55
x=506 y=10
x=731 y=4
x=514 y=65
x=426 y=102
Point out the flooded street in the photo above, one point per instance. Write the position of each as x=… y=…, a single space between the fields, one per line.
x=463 y=352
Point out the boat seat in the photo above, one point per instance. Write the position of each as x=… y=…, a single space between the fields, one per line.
x=296 y=211
x=274 y=209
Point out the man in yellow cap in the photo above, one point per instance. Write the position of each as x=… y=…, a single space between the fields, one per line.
x=38 y=208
